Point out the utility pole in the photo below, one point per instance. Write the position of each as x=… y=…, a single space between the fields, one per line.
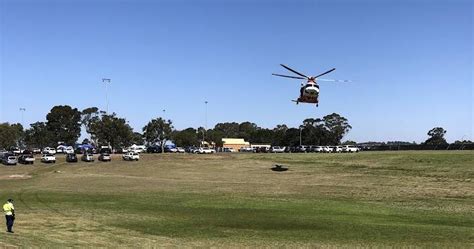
x=164 y=114
x=205 y=113
x=300 y=135
x=106 y=81
x=22 y=110
x=205 y=119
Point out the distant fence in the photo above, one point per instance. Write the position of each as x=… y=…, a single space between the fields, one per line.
x=467 y=146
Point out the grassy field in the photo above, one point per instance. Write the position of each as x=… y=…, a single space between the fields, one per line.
x=375 y=199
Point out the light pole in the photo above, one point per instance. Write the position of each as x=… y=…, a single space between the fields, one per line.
x=205 y=113
x=300 y=135
x=197 y=133
x=164 y=114
x=22 y=110
x=106 y=81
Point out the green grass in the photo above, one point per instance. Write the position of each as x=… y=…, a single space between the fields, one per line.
x=367 y=199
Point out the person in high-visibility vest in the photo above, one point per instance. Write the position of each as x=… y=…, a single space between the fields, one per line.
x=9 y=210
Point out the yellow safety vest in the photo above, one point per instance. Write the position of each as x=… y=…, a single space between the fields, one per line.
x=8 y=208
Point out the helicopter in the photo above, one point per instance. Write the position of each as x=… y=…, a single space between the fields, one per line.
x=309 y=91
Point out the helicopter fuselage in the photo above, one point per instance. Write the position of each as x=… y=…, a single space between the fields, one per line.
x=309 y=93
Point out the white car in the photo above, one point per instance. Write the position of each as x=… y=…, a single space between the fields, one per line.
x=48 y=158
x=277 y=149
x=16 y=151
x=327 y=149
x=318 y=149
x=180 y=149
x=86 y=157
x=68 y=150
x=350 y=148
x=206 y=150
x=337 y=149
x=49 y=150
x=131 y=156
x=246 y=149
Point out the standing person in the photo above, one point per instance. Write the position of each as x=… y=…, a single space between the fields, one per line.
x=9 y=214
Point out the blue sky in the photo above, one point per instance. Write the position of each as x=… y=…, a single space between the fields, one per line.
x=411 y=62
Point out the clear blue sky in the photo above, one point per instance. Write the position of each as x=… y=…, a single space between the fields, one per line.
x=411 y=62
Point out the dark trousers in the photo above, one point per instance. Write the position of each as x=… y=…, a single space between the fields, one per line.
x=10 y=220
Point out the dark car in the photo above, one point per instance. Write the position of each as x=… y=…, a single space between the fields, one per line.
x=26 y=159
x=87 y=157
x=191 y=149
x=153 y=149
x=301 y=149
x=105 y=157
x=71 y=158
x=169 y=149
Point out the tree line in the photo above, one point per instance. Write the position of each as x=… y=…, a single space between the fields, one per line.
x=63 y=124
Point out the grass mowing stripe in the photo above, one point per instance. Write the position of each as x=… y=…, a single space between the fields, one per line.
x=201 y=216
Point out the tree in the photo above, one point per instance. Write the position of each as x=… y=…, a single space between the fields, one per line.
x=314 y=132
x=436 y=136
x=349 y=142
x=137 y=138
x=292 y=137
x=186 y=137
x=64 y=123
x=38 y=135
x=338 y=126
x=111 y=130
x=247 y=131
x=158 y=131
x=279 y=135
x=10 y=135
x=89 y=115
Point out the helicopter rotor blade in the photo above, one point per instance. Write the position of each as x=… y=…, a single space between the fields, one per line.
x=287 y=76
x=291 y=70
x=331 y=80
x=325 y=73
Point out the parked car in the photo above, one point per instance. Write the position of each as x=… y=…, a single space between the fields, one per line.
x=170 y=149
x=87 y=157
x=131 y=156
x=105 y=150
x=277 y=149
x=15 y=150
x=302 y=149
x=36 y=150
x=180 y=150
x=337 y=149
x=246 y=149
x=9 y=159
x=137 y=148
x=48 y=158
x=153 y=149
x=191 y=149
x=105 y=157
x=49 y=150
x=318 y=149
x=350 y=148
x=327 y=149
x=68 y=150
x=228 y=149
x=26 y=159
x=206 y=150
x=71 y=158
